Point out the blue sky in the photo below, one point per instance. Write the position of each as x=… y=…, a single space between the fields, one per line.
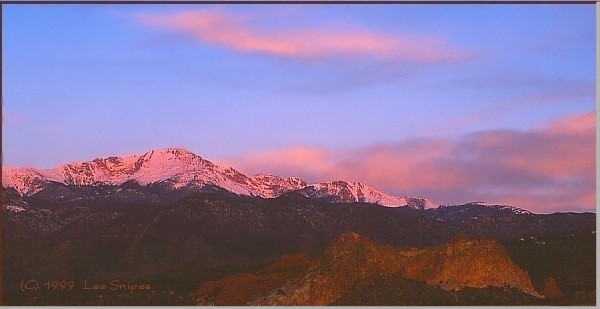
x=233 y=82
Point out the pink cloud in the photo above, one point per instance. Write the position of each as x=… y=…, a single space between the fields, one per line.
x=307 y=163
x=566 y=150
x=236 y=32
x=551 y=168
x=577 y=124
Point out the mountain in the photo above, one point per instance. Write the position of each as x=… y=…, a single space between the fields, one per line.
x=346 y=192
x=176 y=168
x=475 y=211
x=187 y=226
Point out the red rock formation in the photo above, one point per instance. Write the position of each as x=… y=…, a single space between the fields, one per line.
x=467 y=262
x=347 y=260
x=551 y=289
x=238 y=289
x=351 y=258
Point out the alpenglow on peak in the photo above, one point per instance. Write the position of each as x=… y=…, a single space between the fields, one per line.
x=180 y=168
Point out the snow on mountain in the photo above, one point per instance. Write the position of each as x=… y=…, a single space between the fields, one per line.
x=26 y=180
x=515 y=210
x=349 y=192
x=421 y=203
x=271 y=186
x=180 y=168
x=177 y=167
x=355 y=192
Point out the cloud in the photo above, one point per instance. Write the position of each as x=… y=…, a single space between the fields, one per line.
x=550 y=168
x=308 y=163
x=237 y=33
x=574 y=125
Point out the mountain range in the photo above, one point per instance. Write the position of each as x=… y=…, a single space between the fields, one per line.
x=176 y=168
x=201 y=233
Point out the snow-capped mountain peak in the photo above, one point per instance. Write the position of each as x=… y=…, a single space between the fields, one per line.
x=179 y=168
x=23 y=180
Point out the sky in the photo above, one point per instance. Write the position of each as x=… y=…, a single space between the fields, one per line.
x=454 y=103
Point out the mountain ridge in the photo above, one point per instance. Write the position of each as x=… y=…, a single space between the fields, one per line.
x=179 y=168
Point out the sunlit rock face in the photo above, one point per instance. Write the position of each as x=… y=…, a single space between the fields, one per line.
x=467 y=262
x=352 y=258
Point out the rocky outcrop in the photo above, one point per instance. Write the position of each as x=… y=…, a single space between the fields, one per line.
x=467 y=262
x=352 y=258
x=551 y=289
x=348 y=259
x=238 y=289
